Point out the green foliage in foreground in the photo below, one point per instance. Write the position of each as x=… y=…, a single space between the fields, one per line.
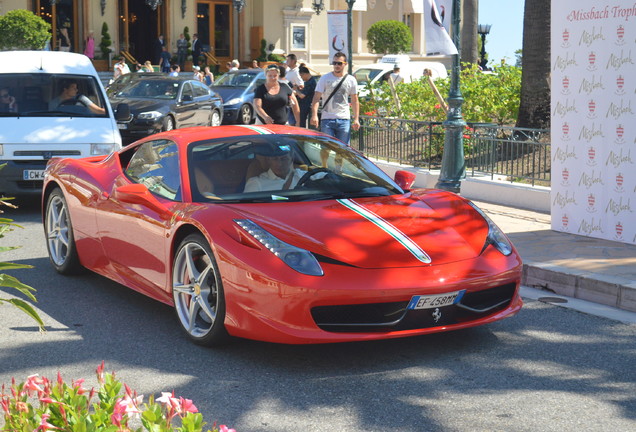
x=488 y=98
x=6 y=281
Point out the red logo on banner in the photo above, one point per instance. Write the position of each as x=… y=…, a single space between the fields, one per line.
x=591 y=105
x=592 y=58
x=620 y=35
x=619 y=230
x=591 y=156
x=565 y=128
x=566 y=82
x=591 y=200
x=620 y=85
x=619 y=180
x=619 y=131
x=566 y=37
x=565 y=220
x=565 y=174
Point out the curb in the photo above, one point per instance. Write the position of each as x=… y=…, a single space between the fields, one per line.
x=598 y=288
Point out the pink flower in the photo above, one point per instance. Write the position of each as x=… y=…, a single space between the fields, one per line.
x=100 y=373
x=187 y=406
x=224 y=428
x=44 y=425
x=33 y=383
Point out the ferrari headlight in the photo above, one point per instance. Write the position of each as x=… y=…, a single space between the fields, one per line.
x=102 y=149
x=496 y=237
x=299 y=259
x=233 y=101
x=150 y=115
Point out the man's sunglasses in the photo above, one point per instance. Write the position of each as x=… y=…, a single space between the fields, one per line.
x=337 y=63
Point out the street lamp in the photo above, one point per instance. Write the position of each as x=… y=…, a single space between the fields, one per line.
x=349 y=37
x=483 y=30
x=453 y=164
x=318 y=6
x=238 y=5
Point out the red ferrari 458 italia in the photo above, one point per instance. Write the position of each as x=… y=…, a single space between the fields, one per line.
x=278 y=234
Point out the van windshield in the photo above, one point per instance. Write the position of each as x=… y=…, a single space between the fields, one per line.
x=50 y=95
x=365 y=75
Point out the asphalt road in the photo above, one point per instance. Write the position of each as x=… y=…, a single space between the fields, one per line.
x=546 y=369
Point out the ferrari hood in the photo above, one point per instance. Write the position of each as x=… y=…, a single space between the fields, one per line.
x=431 y=228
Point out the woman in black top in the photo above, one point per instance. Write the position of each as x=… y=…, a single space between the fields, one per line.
x=272 y=98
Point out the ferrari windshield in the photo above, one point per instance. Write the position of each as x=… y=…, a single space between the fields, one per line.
x=273 y=168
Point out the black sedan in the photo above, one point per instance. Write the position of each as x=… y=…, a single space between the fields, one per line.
x=237 y=90
x=162 y=103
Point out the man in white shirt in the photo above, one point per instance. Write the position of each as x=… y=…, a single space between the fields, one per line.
x=396 y=77
x=336 y=115
x=292 y=75
x=281 y=174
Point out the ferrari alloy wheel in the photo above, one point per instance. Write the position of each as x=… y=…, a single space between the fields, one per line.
x=245 y=115
x=168 y=124
x=215 y=118
x=60 y=241
x=198 y=292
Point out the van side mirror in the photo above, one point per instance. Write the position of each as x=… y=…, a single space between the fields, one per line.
x=122 y=113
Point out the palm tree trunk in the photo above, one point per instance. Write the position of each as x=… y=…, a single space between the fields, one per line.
x=470 y=19
x=534 y=109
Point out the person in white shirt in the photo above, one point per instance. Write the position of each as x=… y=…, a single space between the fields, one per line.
x=281 y=174
x=292 y=74
x=235 y=65
x=396 y=77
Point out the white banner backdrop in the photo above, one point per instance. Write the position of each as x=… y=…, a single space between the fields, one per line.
x=337 y=32
x=594 y=118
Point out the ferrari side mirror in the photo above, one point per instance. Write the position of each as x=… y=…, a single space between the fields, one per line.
x=404 y=179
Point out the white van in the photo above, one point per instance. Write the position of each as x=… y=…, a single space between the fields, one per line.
x=376 y=73
x=36 y=124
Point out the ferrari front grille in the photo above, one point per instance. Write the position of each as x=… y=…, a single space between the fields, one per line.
x=383 y=317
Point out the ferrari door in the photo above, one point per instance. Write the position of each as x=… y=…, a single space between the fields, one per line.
x=134 y=217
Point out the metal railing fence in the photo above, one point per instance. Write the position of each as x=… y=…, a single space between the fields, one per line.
x=518 y=154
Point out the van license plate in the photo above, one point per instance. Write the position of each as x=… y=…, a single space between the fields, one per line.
x=33 y=175
x=436 y=300
x=122 y=125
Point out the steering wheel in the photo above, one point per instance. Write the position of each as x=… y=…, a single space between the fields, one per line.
x=305 y=178
x=69 y=102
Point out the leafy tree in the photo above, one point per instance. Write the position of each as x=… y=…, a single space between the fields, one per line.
x=186 y=35
x=389 y=36
x=21 y=29
x=519 y=58
x=263 y=52
x=7 y=281
x=106 y=42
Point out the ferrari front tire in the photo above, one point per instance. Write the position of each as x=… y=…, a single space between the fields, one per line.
x=197 y=291
x=60 y=240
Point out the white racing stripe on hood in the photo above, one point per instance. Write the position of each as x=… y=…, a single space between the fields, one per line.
x=398 y=235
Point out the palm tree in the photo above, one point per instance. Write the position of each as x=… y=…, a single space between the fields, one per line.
x=534 y=109
x=470 y=18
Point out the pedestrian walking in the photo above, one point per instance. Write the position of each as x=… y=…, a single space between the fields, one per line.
x=272 y=98
x=305 y=95
x=89 y=49
x=164 y=62
x=335 y=89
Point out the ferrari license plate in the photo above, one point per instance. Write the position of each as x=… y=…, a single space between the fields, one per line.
x=33 y=175
x=435 y=300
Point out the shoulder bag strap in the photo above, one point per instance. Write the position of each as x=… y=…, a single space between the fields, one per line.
x=335 y=90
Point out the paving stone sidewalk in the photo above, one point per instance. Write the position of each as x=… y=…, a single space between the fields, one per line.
x=591 y=269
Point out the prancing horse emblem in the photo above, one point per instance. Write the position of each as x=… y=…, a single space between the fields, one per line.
x=437 y=314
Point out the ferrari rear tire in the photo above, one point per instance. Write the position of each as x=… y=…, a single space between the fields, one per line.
x=60 y=240
x=168 y=124
x=198 y=293
x=215 y=118
x=245 y=115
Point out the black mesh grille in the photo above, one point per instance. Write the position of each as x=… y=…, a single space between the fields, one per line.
x=383 y=317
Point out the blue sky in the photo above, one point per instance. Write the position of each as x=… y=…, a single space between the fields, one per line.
x=506 y=18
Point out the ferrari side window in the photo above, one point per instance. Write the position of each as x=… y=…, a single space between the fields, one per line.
x=155 y=164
